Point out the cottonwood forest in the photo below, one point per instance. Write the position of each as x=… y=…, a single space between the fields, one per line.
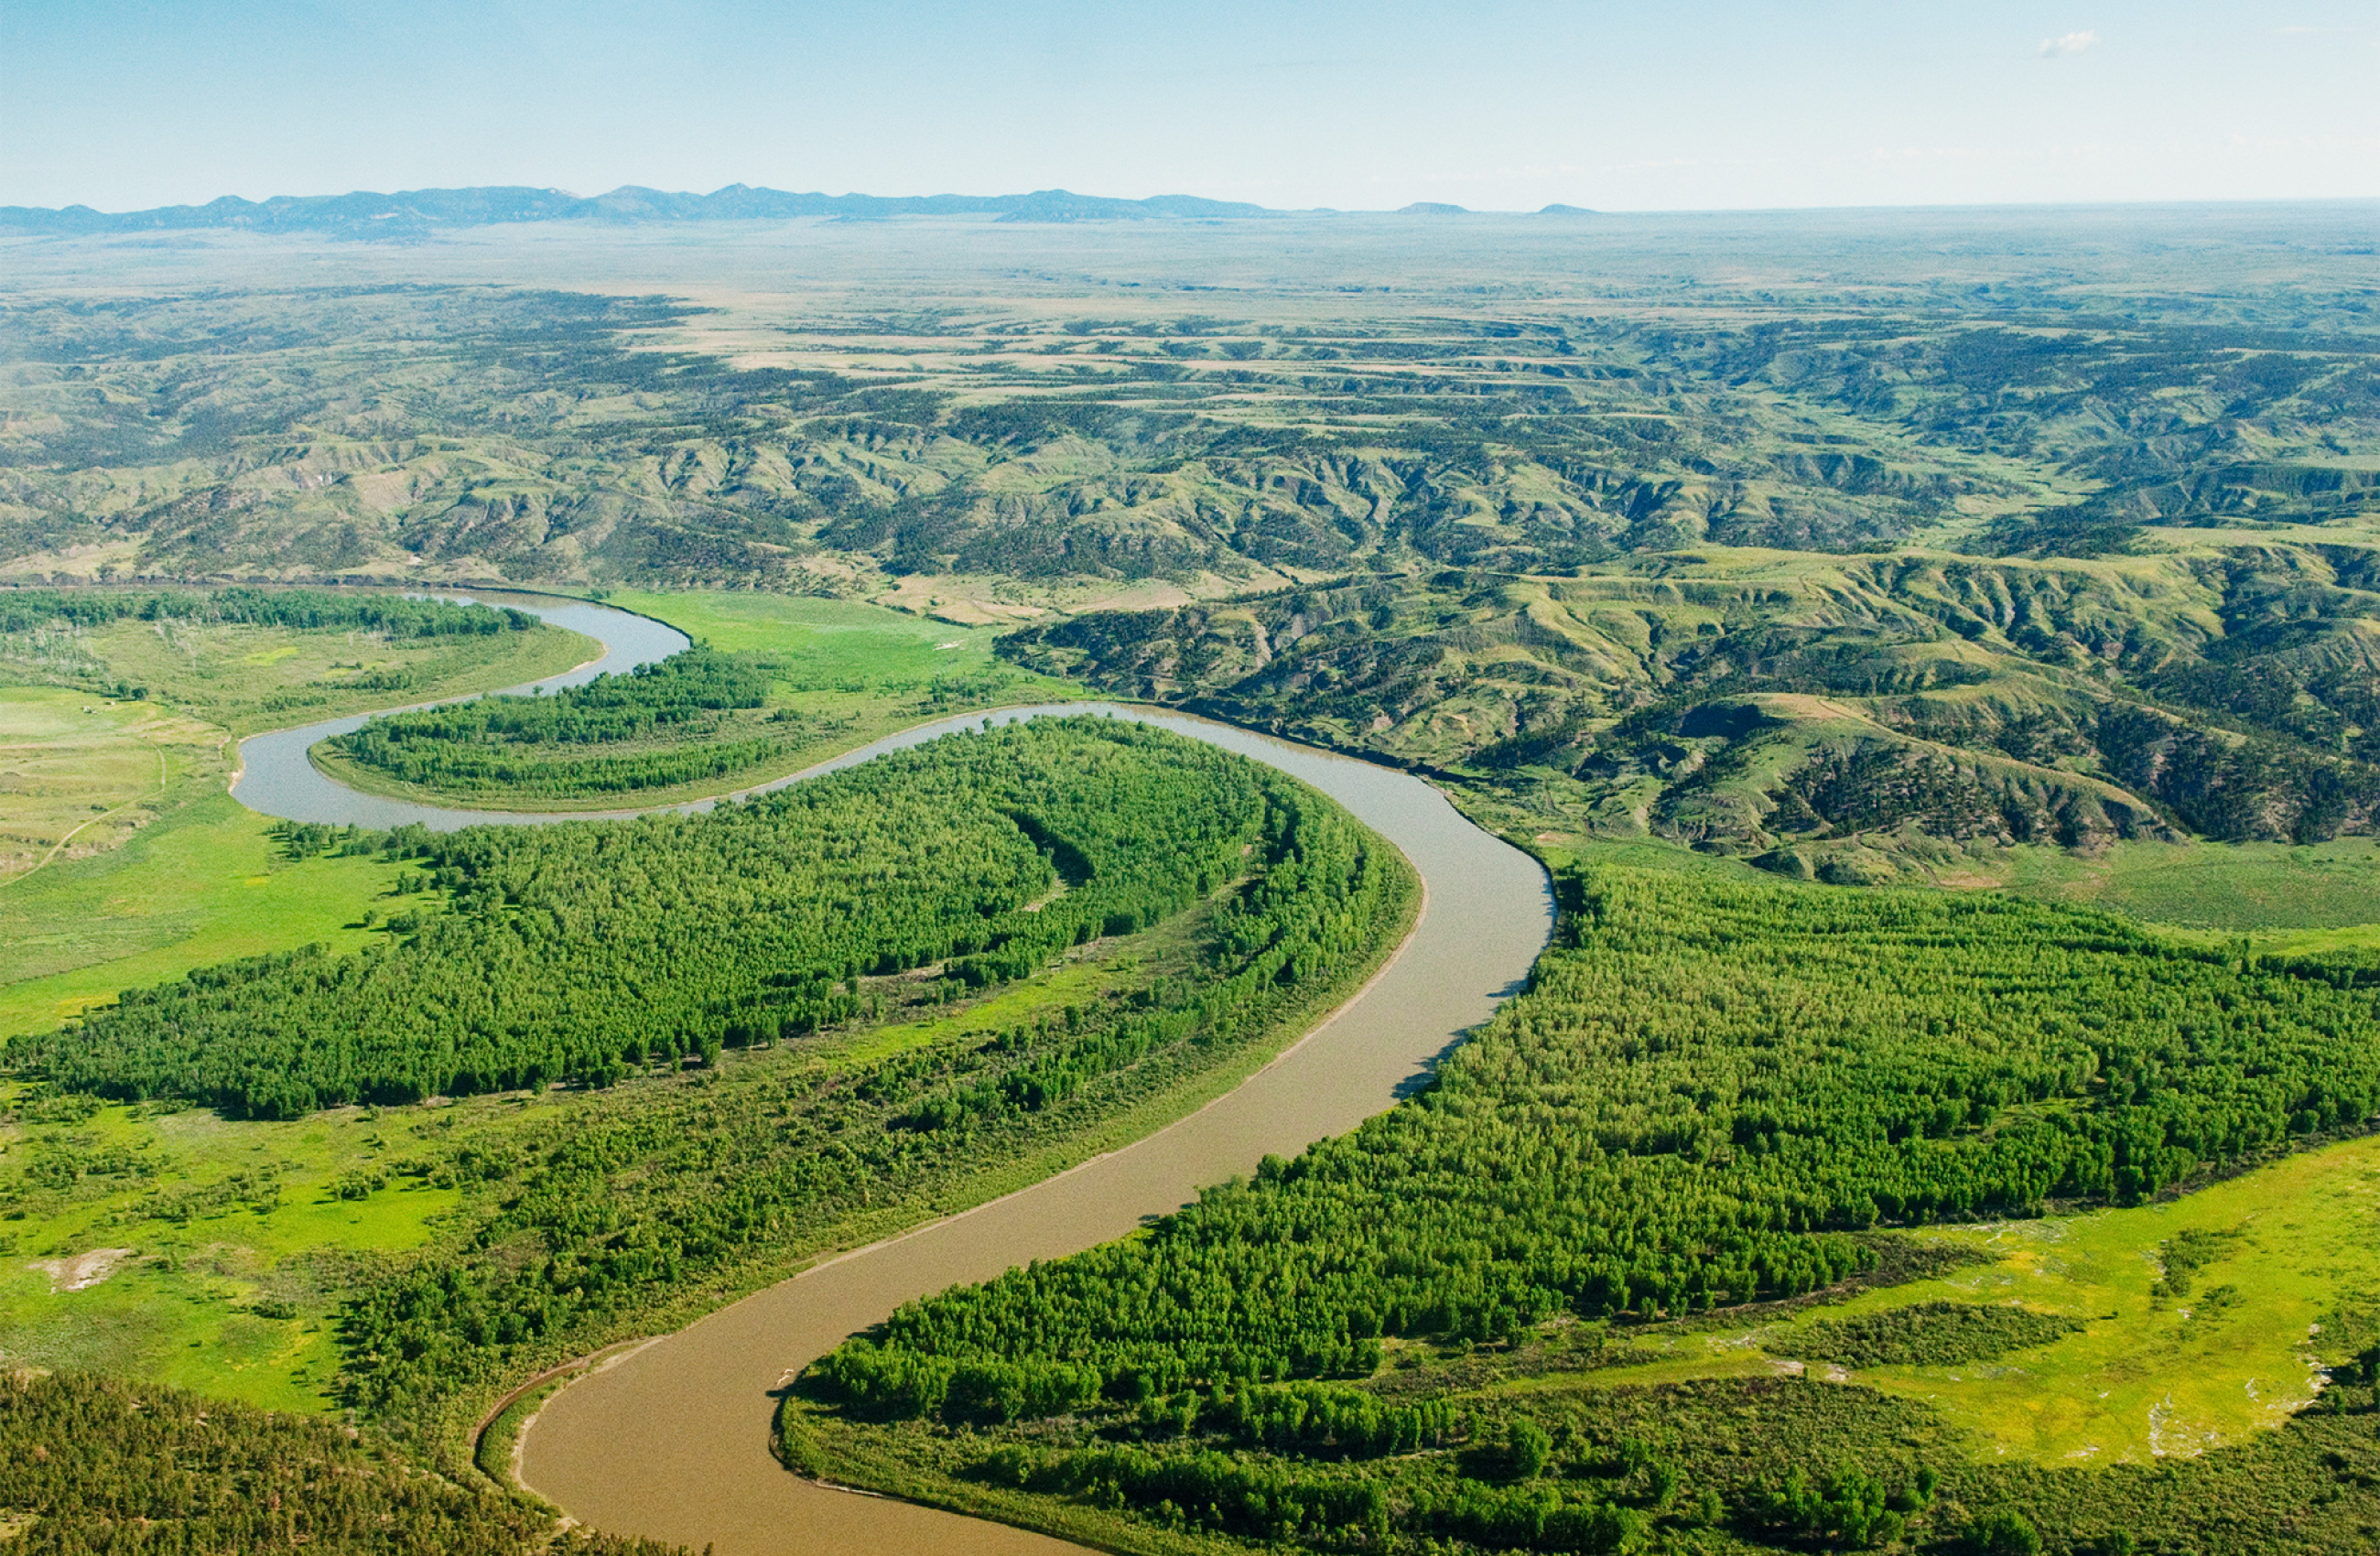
x=1712 y=1095
x=1932 y=656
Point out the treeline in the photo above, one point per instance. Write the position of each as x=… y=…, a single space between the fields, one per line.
x=536 y=745
x=392 y=616
x=466 y=768
x=670 y=1186
x=587 y=950
x=90 y=1466
x=651 y=698
x=1713 y=1092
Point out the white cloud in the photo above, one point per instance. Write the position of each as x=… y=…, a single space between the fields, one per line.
x=2072 y=43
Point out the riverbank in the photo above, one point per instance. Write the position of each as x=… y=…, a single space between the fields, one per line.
x=673 y=1442
x=1463 y=957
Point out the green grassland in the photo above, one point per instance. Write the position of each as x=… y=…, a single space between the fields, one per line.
x=170 y=872
x=206 y=883
x=2285 y=896
x=861 y=671
x=841 y=674
x=233 y=1242
x=2279 y=898
x=2153 y=1372
x=74 y=770
x=247 y=678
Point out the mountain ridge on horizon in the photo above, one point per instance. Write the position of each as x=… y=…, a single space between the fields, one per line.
x=415 y=213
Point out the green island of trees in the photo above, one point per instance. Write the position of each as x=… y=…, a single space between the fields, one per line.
x=1714 y=1092
x=659 y=726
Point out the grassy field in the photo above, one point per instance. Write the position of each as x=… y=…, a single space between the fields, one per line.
x=852 y=672
x=218 y=1244
x=74 y=771
x=2154 y=1371
x=205 y=883
x=858 y=672
x=2269 y=889
x=167 y=871
x=2281 y=899
x=250 y=678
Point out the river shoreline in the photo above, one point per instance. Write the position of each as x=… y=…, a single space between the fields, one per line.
x=671 y=1438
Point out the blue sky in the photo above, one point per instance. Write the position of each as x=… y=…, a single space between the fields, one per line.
x=121 y=103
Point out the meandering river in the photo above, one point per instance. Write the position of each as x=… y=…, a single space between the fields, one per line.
x=671 y=1440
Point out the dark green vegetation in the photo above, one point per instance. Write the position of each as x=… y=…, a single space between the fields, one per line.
x=1739 y=1465
x=632 y=1208
x=1933 y=1333
x=391 y=616
x=90 y=1466
x=574 y=952
x=1713 y=1093
x=656 y=727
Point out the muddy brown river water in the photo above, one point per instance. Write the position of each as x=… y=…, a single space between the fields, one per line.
x=671 y=1440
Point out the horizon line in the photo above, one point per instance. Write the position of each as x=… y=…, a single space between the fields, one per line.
x=1226 y=210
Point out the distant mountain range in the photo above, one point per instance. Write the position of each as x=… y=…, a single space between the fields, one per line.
x=415 y=213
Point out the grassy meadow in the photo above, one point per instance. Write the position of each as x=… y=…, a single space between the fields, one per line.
x=2276 y=892
x=245 y=678
x=74 y=771
x=228 y=1242
x=2288 y=1286
x=123 y=862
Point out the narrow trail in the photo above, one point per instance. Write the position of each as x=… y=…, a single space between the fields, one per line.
x=164 y=778
x=670 y=1440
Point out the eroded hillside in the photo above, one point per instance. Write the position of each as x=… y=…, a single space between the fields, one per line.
x=1813 y=710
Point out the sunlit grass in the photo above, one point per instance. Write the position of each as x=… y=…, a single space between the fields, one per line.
x=74 y=769
x=2266 y=889
x=235 y=1300
x=2148 y=1375
x=205 y=884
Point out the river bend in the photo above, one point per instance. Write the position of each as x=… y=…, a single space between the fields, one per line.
x=671 y=1441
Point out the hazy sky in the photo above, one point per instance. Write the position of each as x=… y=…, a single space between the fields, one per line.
x=122 y=103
